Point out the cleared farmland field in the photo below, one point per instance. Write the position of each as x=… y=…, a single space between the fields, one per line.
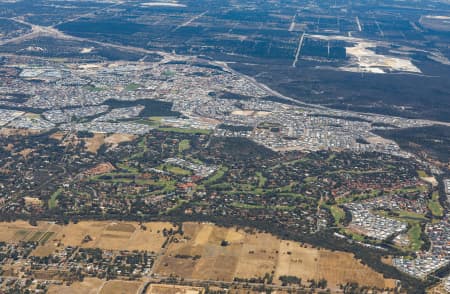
x=203 y=252
x=200 y=254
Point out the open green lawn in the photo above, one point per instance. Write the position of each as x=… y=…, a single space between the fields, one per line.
x=284 y=207
x=156 y=118
x=355 y=172
x=116 y=177
x=422 y=174
x=216 y=176
x=179 y=203
x=247 y=206
x=193 y=160
x=129 y=169
x=132 y=87
x=435 y=206
x=257 y=206
x=354 y=236
x=411 y=216
x=245 y=187
x=331 y=157
x=142 y=144
x=358 y=197
x=407 y=190
x=261 y=179
x=310 y=179
x=414 y=234
x=165 y=186
x=295 y=195
x=147 y=122
x=93 y=88
x=168 y=186
x=337 y=213
x=144 y=182
x=404 y=216
x=287 y=188
x=122 y=180
x=52 y=202
x=168 y=73
x=184 y=145
x=176 y=170
x=185 y=130
x=221 y=186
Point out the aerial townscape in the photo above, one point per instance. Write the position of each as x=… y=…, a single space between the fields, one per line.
x=222 y=146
